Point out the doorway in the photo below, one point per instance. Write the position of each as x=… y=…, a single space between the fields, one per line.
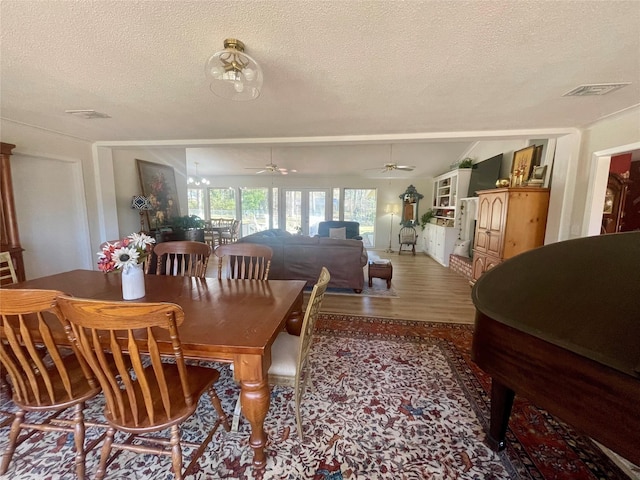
x=304 y=209
x=598 y=179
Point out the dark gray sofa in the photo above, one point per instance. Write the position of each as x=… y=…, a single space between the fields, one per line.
x=298 y=257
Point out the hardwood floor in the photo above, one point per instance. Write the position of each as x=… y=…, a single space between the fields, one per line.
x=427 y=291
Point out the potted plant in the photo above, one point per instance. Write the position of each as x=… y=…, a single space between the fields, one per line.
x=187 y=227
x=426 y=218
x=466 y=163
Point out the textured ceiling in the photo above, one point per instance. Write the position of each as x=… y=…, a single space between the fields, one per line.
x=331 y=68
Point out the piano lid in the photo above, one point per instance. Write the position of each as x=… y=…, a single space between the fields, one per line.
x=581 y=294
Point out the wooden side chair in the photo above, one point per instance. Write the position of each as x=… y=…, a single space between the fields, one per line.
x=182 y=258
x=249 y=261
x=408 y=236
x=43 y=379
x=7 y=271
x=151 y=395
x=231 y=236
x=290 y=363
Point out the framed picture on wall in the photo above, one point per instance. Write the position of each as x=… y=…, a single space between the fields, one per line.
x=158 y=183
x=521 y=166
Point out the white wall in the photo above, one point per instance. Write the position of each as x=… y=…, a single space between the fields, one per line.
x=615 y=131
x=49 y=192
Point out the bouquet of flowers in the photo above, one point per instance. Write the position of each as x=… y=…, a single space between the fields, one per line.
x=125 y=253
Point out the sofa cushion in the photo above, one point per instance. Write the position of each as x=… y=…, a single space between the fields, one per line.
x=338 y=233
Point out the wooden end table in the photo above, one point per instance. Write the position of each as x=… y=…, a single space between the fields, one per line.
x=380 y=270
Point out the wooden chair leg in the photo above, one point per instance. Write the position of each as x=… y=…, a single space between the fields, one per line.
x=78 y=438
x=13 y=438
x=104 y=454
x=215 y=400
x=298 y=393
x=176 y=452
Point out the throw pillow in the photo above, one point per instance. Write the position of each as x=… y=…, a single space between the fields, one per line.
x=338 y=233
x=462 y=248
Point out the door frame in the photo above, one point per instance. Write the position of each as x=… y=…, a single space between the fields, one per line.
x=304 y=207
x=598 y=177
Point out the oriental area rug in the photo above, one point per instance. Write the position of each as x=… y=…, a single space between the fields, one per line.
x=392 y=400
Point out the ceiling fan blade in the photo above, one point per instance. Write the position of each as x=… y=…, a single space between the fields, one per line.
x=261 y=171
x=406 y=168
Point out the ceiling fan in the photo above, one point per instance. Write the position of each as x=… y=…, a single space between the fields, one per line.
x=272 y=168
x=391 y=166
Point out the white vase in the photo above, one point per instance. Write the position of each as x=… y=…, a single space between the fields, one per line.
x=133 y=282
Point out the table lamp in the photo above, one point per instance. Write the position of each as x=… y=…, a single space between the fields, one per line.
x=142 y=204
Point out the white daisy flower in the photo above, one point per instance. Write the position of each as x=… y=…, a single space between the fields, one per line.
x=125 y=257
x=141 y=240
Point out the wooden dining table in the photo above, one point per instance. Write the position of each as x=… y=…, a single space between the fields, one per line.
x=234 y=321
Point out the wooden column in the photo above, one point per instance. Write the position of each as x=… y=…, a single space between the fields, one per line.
x=9 y=237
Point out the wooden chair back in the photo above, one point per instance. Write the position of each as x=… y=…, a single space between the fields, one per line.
x=182 y=258
x=45 y=376
x=294 y=370
x=309 y=322
x=7 y=271
x=26 y=339
x=407 y=236
x=129 y=331
x=143 y=393
x=249 y=261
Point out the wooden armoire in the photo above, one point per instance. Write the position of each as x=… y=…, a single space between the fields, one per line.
x=9 y=237
x=510 y=221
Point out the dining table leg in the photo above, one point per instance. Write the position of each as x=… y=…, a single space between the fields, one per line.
x=296 y=317
x=251 y=373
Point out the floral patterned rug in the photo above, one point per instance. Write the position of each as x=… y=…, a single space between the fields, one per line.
x=392 y=400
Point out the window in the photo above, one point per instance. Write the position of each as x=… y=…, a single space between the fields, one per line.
x=360 y=206
x=195 y=202
x=254 y=203
x=222 y=203
x=336 y=204
x=274 y=207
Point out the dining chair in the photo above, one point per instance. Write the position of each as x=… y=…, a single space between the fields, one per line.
x=407 y=236
x=45 y=376
x=153 y=394
x=231 y=236
x=182 y=258
x=290 y=361
x=249 y=261
x=211 y=236
x=7 y=271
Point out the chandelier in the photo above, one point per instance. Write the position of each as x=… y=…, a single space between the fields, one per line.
x=234 y=74
x=197 y=181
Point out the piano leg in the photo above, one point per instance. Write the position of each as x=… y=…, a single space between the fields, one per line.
x=501 y=403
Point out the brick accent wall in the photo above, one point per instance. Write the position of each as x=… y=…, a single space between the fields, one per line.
x=461 y=265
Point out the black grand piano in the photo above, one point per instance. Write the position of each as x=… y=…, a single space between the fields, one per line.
x=560 y=325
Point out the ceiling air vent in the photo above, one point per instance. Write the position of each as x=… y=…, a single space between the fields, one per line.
x=87 y=114
x=594 y=89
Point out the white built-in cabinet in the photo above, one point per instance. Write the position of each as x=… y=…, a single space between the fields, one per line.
x=439 y=242
x=439 y=238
